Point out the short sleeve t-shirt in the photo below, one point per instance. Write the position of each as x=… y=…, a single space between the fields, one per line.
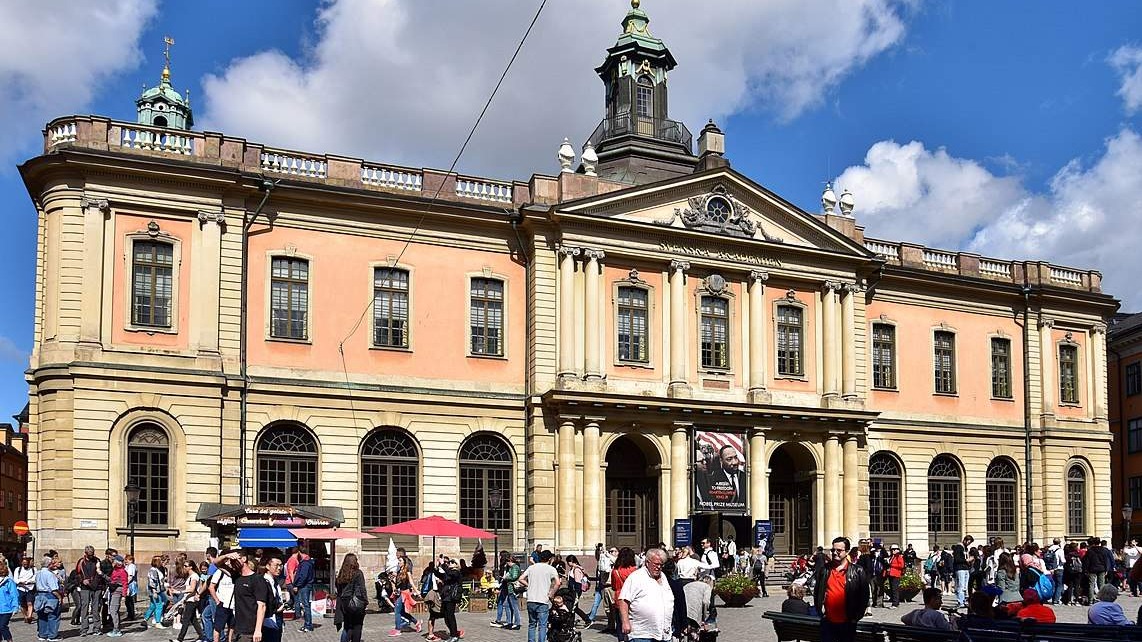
x=540 y=578
x=224 y=587
x=651 y=605
x=248 y=591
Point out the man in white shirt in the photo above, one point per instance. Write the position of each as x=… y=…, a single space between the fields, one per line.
x=541 y=580
x=603 y=582
x=708 y=561
x=1132 y=553
x=686 y=566
x=646 y=603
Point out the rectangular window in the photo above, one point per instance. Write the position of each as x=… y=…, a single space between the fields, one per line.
x=944 y=362
x=789 y=344
x=1134 y=437
x=633 y=331
x=152 y=279
x=1001 y=368
x=289 y=298
x=486 y=317
x=1068 y=374
x=390 y=307
x=644 y=100
x=1133 y=379
x=715 y=331
x=883 y=356
x=1136 y=491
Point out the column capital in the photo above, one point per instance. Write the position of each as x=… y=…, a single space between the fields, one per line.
x=682 y=425
x=1098 y=328
x=597 y=255
x=758 y=276
x=759 y=431
x=832 y=286
x=679 y=266
x=95 y=205
x=594 y=420
x=1046 y=323
x=205 y=217
x=854 y=288
x=567 y=250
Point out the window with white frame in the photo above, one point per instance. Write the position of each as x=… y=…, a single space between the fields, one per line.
x=944 y=361
x=152 y=283
x=631 y=309
x=790 y=331
x=1068 y=374
x=289 y=298
x=715 y=332
x=390 y=307
x=486 y=316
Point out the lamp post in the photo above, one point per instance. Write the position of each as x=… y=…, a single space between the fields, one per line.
x=936 y=509
x=495 y=499
x=132 y=491
x=1127 y=513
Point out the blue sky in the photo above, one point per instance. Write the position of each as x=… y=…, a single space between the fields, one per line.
x=1007 y=128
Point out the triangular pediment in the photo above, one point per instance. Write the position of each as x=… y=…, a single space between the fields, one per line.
x=721 y=203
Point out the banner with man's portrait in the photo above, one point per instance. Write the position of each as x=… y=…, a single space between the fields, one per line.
x=720 y=481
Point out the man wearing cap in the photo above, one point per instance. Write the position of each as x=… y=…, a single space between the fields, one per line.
x=894 y=570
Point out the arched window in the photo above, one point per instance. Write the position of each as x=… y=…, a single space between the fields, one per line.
x=486 y=483
x=389 y=478
x=944 y=479
x=148 y=467
x=884 y=481
x=1076 y=500
x=287 y=466
x=1001 y=485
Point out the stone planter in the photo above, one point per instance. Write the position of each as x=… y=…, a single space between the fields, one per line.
x=736 y=600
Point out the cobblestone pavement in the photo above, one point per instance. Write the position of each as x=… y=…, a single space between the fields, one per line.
x=736 y=624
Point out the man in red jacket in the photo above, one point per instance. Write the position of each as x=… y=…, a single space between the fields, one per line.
x=894 y=572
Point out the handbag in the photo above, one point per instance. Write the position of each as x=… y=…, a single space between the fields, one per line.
x=353 y=604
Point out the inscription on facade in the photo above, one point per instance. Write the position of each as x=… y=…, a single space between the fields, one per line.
x=721 y=255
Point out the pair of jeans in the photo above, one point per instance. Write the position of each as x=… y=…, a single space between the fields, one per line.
x=537 y=621
x=962 y=587
x=894 y=589
x=113 y=609
x=402 y=616
x=89 y=612
x=5 y=633
x=189 y=619
x=47 y=606
x=130 y=602
x=598 y=600
x=208 y=618
x=449 y=609
x=1095 y=580
x=507 y=604
x=155 y=610
x=1057 y=577
x=304 y=602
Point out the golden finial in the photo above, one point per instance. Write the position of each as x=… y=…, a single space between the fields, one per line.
x=634 y=4
x=168 y=41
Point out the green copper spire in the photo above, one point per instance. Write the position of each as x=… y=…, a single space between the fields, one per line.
x=162 y=106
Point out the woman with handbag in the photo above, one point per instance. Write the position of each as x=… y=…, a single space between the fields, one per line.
x=506 y=601
x=352 y=599
x=449 y=576
x=402 y=584
x=156 y=590
x=430 y=589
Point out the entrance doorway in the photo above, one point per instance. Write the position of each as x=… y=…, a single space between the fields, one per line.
x=792 y=473
x=632 y=492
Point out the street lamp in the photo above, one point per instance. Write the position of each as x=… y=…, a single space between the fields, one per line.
x=495 y=499
x=132 y=490
x=936 y=509
x=1127 y=513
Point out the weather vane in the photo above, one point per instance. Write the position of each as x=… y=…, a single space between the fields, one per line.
x=167 y=50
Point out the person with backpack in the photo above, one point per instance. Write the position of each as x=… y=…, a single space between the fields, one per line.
x=932 y=567
x=603 y=591
x=221 y=589
x=117 y=590
x=1053 y=563
x=578 y=583
x=759 y=562
x=1094 y=565
x=352 y=599
x=251 y=603
x=304 y=576
x=450 y=577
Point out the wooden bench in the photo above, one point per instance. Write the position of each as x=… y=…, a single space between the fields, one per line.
x=807 y=628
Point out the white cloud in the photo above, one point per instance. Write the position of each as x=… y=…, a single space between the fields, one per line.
x=908 y=192
x=54 y=54
x=1127 y=61
x=1088 y=216
x=402 y=80
x=11 y=353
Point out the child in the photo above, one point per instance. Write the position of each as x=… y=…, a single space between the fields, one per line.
x=561 y=619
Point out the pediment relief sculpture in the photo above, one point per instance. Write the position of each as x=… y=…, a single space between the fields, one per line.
x=720 y=213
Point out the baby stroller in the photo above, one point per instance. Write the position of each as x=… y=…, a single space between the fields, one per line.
x=561 y=621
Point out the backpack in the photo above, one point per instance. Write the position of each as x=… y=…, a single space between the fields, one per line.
x=1044 y=585
x=1051 y=559
x=929 y=564
x=513 y=573
x=1076 y=564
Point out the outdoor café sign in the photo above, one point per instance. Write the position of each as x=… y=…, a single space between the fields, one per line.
x=282 y=516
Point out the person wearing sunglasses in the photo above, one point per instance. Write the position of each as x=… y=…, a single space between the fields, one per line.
x=841 y=594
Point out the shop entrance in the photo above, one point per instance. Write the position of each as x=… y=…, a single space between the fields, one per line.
x=792 y=473
x=632 y=492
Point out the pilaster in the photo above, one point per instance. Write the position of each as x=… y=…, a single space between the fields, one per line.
x=95 y=215
x=757 y=338
x=567 y=365
x=679 y=386
x=1098 y=370
x=830 y=348
x=205 y=282
x=1047 y=381
x=848 y=340
x=591 y=307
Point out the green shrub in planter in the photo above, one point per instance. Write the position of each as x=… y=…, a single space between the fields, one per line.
x=735 y=589
x=910 y=586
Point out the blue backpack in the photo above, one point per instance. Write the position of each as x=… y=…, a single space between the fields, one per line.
x=1044 y=585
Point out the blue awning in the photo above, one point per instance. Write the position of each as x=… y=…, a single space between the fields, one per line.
x=266 y=538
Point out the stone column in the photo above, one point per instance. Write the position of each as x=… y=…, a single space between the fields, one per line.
x=851 y=486
x=679 y=470
x=591 y=313
x=848 y=341
x=757 y=336
x=1047 y=381
x=592 y=483
x=1098 y=370
x=566 y=498
x=205 y=282
x=758 y=479
x=832 y=490
x=678 y=342
x=829 y=338
x=95 y=213
x=567 y=365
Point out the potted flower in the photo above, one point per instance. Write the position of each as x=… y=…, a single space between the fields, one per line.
x=910 y=586
x=735 y=589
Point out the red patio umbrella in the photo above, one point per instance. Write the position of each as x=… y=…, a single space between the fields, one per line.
x=433 y=526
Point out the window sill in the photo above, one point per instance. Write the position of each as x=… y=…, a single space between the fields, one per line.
x=641 y=365
x=493 y=357
x=150 y=330
x=801 y=378
x=1007 y=399
x=876 y=389
x=147 y=531
x=716 y=372
x=1068 y=404
x=305 y=342
x=391 y=349
x=945 y=394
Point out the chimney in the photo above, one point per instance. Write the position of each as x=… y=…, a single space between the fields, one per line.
x=711 y=148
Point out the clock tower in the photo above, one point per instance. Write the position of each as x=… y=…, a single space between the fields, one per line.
x=637 y=142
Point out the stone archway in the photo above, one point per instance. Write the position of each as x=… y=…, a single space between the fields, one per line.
x=632 y=483
x=792 y=473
